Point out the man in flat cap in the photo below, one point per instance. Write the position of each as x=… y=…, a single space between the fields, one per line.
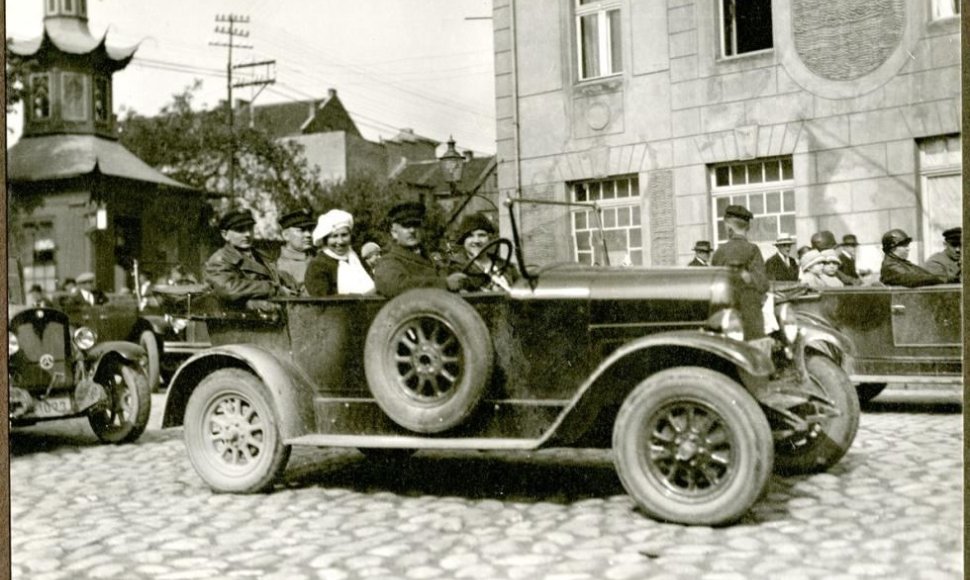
x=738 y=251
x=240 y=275
x=782 y=267
x=702 y=254
x=946 y=264
x=296 y=228
x=405 y=264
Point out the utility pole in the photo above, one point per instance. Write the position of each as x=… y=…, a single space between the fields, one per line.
x=260 y=81
x=231 y=31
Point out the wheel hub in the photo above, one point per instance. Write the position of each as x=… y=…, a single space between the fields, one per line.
x=426 y=360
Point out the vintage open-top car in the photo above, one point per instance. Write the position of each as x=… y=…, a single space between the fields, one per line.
x=58 y=371
x=651 y=362
x=910 y=335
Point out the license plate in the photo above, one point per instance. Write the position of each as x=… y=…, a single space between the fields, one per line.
x=53 y=407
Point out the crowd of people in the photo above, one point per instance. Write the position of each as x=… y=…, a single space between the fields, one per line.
x=829 y=264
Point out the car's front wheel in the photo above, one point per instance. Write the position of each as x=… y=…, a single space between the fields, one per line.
x=692 y=447
x=232 y=433
x=833 y=436
x=124 y=416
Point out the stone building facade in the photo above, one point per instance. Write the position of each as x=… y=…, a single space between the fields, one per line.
x=815 y=114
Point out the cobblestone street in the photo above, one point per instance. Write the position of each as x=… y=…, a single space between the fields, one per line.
x=891 y=509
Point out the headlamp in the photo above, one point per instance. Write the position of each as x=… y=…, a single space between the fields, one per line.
x=85 y=338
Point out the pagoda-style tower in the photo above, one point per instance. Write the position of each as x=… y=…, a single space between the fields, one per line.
x=80 y=201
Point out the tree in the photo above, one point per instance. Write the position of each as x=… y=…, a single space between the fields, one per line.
x=17 y=70
x=192 y=146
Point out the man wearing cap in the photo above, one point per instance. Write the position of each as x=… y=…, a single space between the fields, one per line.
x=946 y=264
x=296 y=228
x=738 y=251
x=847 y=265
x=702 y=254
x=405 y=265
x=896 y=269
x=782 y=267
x=239 y=274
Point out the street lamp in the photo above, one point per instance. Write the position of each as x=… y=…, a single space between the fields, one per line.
x=452 y=163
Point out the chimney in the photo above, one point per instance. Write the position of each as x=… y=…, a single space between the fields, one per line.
x=331 y=93
x=469 y=154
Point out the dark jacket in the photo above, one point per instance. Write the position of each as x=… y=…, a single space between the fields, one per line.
x=778 y=270
x=236 y=277
x=321 y=276
x=847 y=272
x=738 y=251
x=942 y=265
x=400 y=269
x=899 y=272
x=696 y=262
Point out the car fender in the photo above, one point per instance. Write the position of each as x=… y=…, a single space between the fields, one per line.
x=105 y=352
x=747 y=363
x=820 y=336
x=289 y=389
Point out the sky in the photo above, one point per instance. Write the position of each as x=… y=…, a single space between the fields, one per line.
x=420 y=64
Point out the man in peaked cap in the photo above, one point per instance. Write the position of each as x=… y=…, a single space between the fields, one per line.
x=702 y=254
x=739 y=252
x=782 y=267
x=240 y=275
x=946 y=264
x=406 y=265
x=296 y=228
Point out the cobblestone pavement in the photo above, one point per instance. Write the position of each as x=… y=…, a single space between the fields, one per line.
x=891 y=509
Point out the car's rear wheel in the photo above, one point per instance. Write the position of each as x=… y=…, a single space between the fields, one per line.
x=149 y=342
x=869 y=391
x=691 y=446
x=834 y=435
x=428 y=359
x=232 y=433
x=124 y=416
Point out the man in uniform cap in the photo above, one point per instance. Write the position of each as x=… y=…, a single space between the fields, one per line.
x=847 y=265
x=782 y=267
x=406 y=265
x=738 y=251
x=702 y=254
x=296 y=228
x=239 y=274
x=946 y=264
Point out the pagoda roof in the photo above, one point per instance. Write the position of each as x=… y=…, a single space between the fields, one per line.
x=51 y=157
x=72 y=36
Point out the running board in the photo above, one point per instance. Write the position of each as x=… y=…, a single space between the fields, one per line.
x=407 y=442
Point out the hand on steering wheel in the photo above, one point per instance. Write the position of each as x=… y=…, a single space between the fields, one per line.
x=493 y=250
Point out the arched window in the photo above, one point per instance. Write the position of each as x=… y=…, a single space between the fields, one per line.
x=51 y=8
x=40 y=96
x=82 y=8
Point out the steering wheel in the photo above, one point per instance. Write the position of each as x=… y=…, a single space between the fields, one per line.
x=493 y=250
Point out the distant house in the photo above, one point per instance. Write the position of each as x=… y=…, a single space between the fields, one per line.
x=80 y=201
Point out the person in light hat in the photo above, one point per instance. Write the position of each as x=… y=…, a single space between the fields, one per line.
x=782 y=267
x=87 y=290
x=818 y=269
x=239 y=274
x=370 y=253
x=946 y=264
x=337 y=268
x=406 y=265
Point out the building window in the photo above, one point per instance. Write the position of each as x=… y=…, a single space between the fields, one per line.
x=40 y=96
x=945 y=9
x=82 y=8
x=598 y=38
x=619 y=201
x=40 y=264
x=68 y=7
x=51 y=7
x=941 y=189
x=101 y=102
x=745 y=26
x=766 y=187
x=74 y=97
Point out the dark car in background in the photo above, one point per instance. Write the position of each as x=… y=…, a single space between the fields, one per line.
x=57 y=369
x=909 y=335
x=652 y=363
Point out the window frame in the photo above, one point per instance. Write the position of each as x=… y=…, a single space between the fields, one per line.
x=954 y=6
x=722 y=36
x=605 y=55
x=85 y=97
x=730 y=192
x=632 y=203
x=50 y=102
x=928 y=169
x=100 y=80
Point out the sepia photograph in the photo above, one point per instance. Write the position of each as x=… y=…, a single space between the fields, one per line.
x=485 y=289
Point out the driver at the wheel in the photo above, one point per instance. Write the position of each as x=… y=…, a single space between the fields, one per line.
x=405 y=265
x=486 y=273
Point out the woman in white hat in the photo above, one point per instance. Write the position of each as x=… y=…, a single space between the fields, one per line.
x=818 y=269
x=336 y=269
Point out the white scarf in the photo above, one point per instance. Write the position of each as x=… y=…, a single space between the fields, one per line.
x=352 y=278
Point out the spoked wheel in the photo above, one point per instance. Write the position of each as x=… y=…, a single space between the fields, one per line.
x=124 y=416
x=692 y=447
x=149 y=342
x=831 y=437
x=232 y=434
x=428 y=359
